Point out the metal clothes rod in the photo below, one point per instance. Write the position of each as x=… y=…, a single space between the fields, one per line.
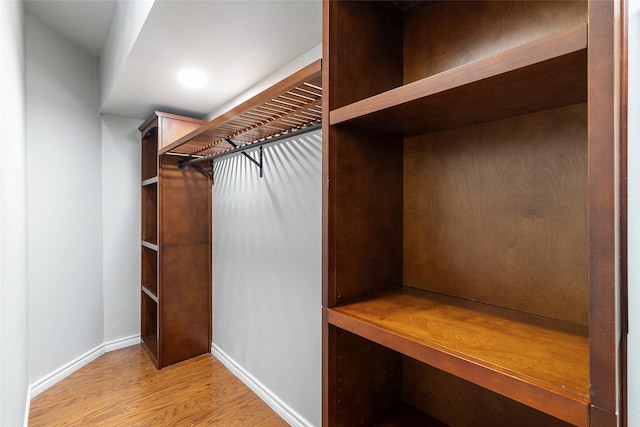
x=244 y=147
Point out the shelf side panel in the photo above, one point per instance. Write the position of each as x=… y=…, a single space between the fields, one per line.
x=367 y=379
x=366 y=246
x=503 y=219
x=186 y=204
x=365 y=42
x=606 y=200
x=185 y=262
x=185 y=301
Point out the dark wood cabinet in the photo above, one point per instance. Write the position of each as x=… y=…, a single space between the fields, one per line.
x=471 y=213
x=176 y=247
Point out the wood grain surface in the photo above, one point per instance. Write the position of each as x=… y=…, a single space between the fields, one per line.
x=149 y=149
x=364 y=40
x=367 y=214
x=174 y=127
x=604 y=209
x=537 y=361
x=184 y=280
x=506 y=118
x=498 y=213
x=436 y=392
x=545 y=73
x=449 y=34
x=368 y=380
x=123 y=388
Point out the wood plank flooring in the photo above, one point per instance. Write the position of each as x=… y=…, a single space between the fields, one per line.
x=123 y=388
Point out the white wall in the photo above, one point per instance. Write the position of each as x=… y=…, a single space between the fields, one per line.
x=126 y=23
x=267 y=270
x=64 y=202
x=121 y=227
x=634 y=214
x=282 y=73
x=14 y=373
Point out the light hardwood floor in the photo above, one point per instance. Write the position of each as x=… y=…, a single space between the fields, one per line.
x=123 y=388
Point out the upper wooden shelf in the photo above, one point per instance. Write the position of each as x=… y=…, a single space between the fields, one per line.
x=291 y=104
x=543 y=74
x=541 y=362
x=150 y=181
x=152 y=243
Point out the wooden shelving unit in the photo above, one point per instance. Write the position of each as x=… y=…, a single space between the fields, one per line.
x=175 y=248
x=470 y=214
x=176 y=206
x=291 y=104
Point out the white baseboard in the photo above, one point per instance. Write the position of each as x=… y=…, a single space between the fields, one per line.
x=66 y=370
x=121 y=343
x=27 y=408
x=289 y=415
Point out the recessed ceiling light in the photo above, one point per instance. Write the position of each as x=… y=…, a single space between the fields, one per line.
x=192 y=78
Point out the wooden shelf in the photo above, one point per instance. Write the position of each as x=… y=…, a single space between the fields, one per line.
x=541 y=362
x=150 y=181
x=293 y=103
x=150 y=293
x=546 y=73
x=152 y=244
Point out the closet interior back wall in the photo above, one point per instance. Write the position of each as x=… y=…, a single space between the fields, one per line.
x=267 y=269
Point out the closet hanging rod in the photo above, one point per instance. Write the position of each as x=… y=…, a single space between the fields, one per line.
x=241 y=148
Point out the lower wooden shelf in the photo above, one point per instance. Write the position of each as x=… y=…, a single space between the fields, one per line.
x=540 y=362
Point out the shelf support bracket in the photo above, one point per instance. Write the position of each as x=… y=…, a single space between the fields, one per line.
x=191 y=161
x=258 y=163
x=208 y=173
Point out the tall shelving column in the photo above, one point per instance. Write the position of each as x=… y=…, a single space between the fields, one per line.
x=175 y=247
x=149 y=242
x=470 y=218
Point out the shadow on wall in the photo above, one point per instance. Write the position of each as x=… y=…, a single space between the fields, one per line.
x=267 y=250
